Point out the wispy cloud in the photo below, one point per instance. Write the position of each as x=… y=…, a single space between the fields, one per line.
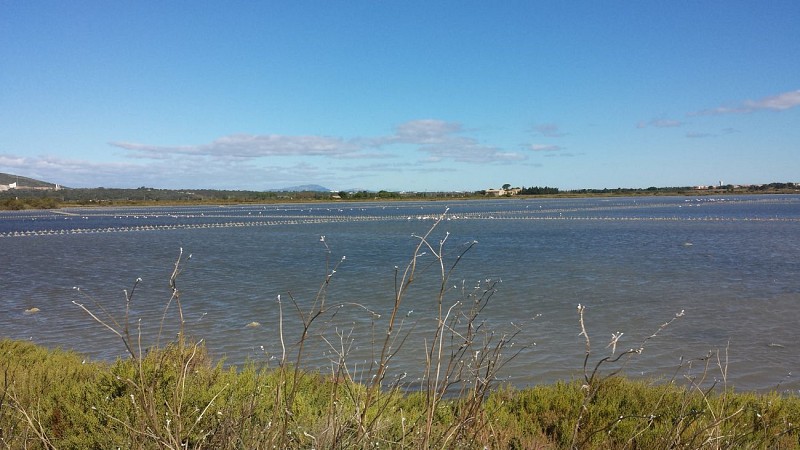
x=12 y=161
x=545 y=148
x=272 y=160
x=660 y=123
x=548 y=130
x=443 y=140
x=469 y=151
x=440 y=140
x=69 y=172
x=703 y=134
x=43 y=164
x=415 y=167
x=177 y=173
x=250 y=146
x=779 y=102
x=425 y=132
x=698 y=135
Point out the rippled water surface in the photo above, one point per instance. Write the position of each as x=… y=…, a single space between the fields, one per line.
x=730 y=263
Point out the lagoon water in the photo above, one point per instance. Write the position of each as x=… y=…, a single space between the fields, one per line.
x=730 y=263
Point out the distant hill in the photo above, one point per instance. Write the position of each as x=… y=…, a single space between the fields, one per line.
x=7 y=178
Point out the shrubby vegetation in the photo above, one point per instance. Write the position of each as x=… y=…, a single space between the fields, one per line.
x=177 y=398
x=677 y=190
x=536 y=190
x=367 y=195
x=173 y=396
x=15 y=204
x=46 y=199
x=773 y=187
x=144 y=196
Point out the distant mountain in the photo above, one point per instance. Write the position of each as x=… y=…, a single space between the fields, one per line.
x=7 y=178
x=303 y=188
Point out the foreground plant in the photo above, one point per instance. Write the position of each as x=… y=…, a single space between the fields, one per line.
x=43 y=408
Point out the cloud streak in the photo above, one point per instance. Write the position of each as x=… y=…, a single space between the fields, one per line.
x=548 y=130
x=444 y=141
x=273 y=160
x=698 y=135
x=545 y=148
x=250 y=146
x=440 y=140
x=176 y=174
x=69 y=172
x=779 y=102
x=660 y=123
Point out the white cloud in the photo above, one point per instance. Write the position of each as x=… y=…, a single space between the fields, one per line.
x=424 y=132
x=271 y=160
x=11 y=161
x=53 y=163
x=250 y=146
x=545 y=148
x=278 y=145
x=779 y=102
x=69 y=172
x=469 y=151
x=441 y=140
x=366 y=155
x=177 y=173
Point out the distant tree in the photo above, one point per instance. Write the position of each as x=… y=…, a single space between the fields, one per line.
x=506 y=187
x=387 y=194
x=536 y=190
x=361 y=195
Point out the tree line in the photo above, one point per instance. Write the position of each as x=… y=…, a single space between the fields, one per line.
x=19 y=199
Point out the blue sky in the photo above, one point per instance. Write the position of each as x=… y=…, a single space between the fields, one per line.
x=447 y=95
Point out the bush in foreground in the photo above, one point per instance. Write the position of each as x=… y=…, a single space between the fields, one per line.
x=55 y=399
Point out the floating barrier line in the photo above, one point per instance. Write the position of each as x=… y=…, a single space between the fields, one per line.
x=193 y=226
x=301 y=220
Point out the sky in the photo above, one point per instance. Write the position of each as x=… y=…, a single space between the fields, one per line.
x=400 y=95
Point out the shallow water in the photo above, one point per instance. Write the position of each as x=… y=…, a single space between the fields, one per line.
x=730 y=263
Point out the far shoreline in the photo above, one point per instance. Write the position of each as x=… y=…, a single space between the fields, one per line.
x=149 y=197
